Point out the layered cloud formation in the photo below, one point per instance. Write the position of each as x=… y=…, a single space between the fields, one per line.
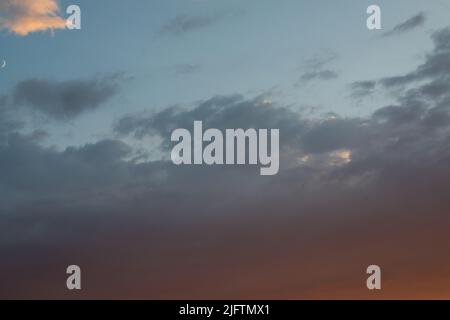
x=351 y=192
x=26 y=16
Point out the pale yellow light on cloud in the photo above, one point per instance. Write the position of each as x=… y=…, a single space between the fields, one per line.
x=26 y=16
x=340 y=157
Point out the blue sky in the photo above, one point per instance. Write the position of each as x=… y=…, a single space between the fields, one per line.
x=246 y=48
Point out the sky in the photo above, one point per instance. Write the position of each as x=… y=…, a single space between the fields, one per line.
x=85 y=170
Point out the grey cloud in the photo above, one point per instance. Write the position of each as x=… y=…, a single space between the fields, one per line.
x=319 y=75
x=410 y=24
x=183 y=24
x=333 y=134
x=418 y=119
x=94 y=201
x=101 y=152
x=437 y=63
x=8 y=123
x=398 y=115
x=320 y=60
x=186 y=69
x=397 y=80
x=315 y=68
x=361 y=89
x=66 y=99
x=27 y=166
x=426 y=106
x=100 y=173
x=440 y=39
x=222 y=112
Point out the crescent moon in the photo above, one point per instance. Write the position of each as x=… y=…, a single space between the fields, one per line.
x=3 y=64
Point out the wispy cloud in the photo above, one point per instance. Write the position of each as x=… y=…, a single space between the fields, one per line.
x=22 y=17
x=361 y=89
x=416 y=21
x=183 y=24
x=319 y=75
x=185 y=69
x=315 y=68
x=436 y=65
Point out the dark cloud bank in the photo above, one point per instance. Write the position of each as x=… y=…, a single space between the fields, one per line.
x=351 y=192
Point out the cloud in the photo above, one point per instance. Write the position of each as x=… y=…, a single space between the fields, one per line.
x=7 y=122
x=320 y=60
x=361 y=89
x=63 y=100
x=334 y=134
x=315 y=68
x=186 y=69
x=436 y=66
x=410 y=24
x=59 y=172
x=343 y=182
x=231 y=111
x=423 y=94
x=183 y=24
x=26 y=16
x=95 y=201
x=319 y=75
